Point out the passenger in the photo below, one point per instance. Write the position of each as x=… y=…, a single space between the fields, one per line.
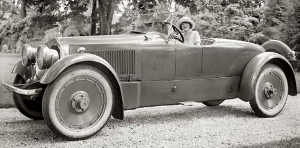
x=186 y=25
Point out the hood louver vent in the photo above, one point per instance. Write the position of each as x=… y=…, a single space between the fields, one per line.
x=123 y=61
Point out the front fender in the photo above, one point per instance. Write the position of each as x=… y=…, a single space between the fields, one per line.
x=26 y=72
x=59 y=66
x=253 y=68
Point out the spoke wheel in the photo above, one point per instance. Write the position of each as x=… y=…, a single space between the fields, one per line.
x=30 y=108
x=271 y=92
x=78 y=103
x=213 y=103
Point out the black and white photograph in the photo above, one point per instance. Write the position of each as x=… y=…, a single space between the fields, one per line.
x=150 y=73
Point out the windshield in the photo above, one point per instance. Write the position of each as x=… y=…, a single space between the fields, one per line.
x=152 y=22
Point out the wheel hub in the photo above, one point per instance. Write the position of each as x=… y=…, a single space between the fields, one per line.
x=80 y=101
x=269 y=90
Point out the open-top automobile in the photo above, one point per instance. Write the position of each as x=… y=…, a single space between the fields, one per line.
x=78 y=83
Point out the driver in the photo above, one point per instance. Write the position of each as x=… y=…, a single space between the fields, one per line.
x=186 y=25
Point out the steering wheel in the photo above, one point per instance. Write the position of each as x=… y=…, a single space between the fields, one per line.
x=177 y=34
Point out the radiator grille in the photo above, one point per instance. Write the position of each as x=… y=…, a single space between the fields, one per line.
x=123 y=61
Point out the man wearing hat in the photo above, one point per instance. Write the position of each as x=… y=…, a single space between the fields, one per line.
x=186 y=25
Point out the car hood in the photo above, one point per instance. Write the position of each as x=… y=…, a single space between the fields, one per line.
x=102 y=39
x=236 y=43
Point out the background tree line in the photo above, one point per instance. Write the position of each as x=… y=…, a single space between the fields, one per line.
x=34 y=21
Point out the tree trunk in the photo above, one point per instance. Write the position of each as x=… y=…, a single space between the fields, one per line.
x=110 y=14
x=103 y=24
x=106 y=11
x=94 y=18
x=23 y=9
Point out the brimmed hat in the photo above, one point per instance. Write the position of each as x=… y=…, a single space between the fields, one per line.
x=185 y=19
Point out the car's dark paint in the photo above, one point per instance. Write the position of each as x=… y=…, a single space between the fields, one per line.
x=158 y=59
x=227 y=58
x=188 y=61
x=151 y=93
x=72 y=59
x=177 y=67
x=113 y=40
x=158 y=63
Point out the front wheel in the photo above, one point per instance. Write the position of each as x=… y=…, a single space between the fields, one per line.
x=30 y=108
x=271 y=92
x=78 y=103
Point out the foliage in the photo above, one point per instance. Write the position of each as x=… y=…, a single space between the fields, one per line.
x=74 y=8
x=226 y=19
x=273 y=21
x=250 y=20
x=292 y=26
x=13 y=32
x=258 y=38
x=42 y=6
x=7 y=10
x=124 y=22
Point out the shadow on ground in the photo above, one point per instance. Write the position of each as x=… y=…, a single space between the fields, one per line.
x=171 y=114
x=186 y=114
x=292 y=143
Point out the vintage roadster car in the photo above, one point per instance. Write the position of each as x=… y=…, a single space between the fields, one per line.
x=78 y=83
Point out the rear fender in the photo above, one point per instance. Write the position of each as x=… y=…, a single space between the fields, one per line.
x=85 y=58
x=253 y=69
x=277 y=46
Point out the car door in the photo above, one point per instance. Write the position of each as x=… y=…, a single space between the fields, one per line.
x=188 y=61
x=158 y=58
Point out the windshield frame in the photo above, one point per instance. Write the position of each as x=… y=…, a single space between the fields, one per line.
x=146 y=23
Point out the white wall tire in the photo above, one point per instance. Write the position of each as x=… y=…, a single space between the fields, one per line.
x=78 y=103
x=270 y=92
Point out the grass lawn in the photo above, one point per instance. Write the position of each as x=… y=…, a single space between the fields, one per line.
x=7 y=62
x=297 y=74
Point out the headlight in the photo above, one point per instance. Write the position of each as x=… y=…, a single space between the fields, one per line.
x=28 y=55
x=292 y=55
x=45 y=57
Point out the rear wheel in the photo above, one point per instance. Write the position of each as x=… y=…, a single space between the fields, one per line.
x=78 y=103
x=30 y=108
x=271 y=92
x=213 y=103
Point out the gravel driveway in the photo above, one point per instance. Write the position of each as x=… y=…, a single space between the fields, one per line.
x=233 y=124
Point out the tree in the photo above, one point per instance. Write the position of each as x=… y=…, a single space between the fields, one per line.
x=42 y=6
x=102 y=14
x=94 y=17
x=135 y=7
x=274 y=19
x=106 y=11
x=234 y=19
x=193 y=5
x=8 y=9
x=292 y=25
